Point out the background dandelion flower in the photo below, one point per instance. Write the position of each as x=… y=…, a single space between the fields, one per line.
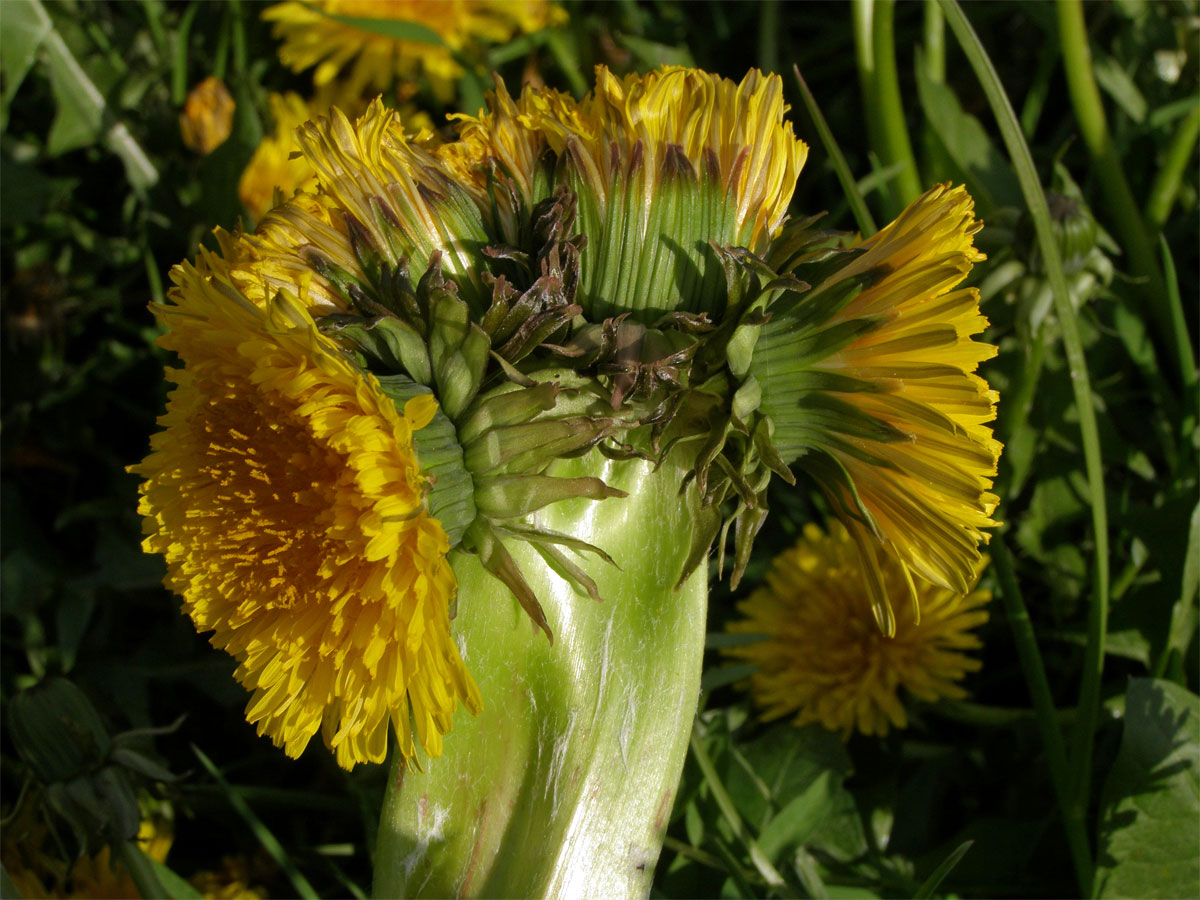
x=823 y=657
x=366 y=61
x=286 y=495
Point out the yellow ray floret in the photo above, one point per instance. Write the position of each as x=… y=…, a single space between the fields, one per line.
x=368 y=61
x=733 y=131
x=897 y=432
x=272 y=166
x=824 y=659
x=286 y=495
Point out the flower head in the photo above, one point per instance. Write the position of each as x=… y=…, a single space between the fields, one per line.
x=207 y=117
x=324 y=35
x=824 y=658
x=869 y=380
x=287 y=496
x=663 y=164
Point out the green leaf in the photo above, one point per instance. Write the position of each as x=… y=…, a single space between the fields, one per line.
x=22 y=30
x=987 y=173
x=395 y=29
x=82 y=114
x=801 y=817
x=1117 y=84
x=931 y=883
x=177 y=887
x=1150 y=820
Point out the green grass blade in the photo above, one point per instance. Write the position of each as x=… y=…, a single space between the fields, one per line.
x=1179 y=325
x=858 y=206
x=939 y=874
x=268 y=841
x=1030 y=658
x=1018 y=150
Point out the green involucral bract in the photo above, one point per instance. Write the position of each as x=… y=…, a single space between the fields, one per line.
x=563 y=784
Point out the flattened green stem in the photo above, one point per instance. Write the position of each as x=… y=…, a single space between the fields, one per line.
x=894 y=147
x=1035 y=199
x=1073 y=807
x=564 y=783
x=1124 y=216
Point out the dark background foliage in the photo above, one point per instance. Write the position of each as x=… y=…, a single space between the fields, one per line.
x=84 y=249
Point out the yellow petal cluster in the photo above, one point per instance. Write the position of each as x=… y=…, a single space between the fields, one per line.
x=824 y=659
x=914 y=482
x=286 y=495
x=727 y=131
x=368 y=62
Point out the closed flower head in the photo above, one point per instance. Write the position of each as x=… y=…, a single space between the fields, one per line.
x=286 y=495
x=822 y=657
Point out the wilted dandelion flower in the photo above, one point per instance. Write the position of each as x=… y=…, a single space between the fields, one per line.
x=823 y=657
x=286 y=493
x=869 y=380
x=207 y=117
x=366 y=61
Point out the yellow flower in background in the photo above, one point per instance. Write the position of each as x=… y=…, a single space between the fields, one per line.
x=230 y=882
x=207 y=117
x=286 y=495
x=869 y=380
x=369 y=62
x=272 y=167
x=33 y=863
x=823 y=657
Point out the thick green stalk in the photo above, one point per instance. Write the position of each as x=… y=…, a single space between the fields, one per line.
x=1124 y=216
x=564 y=783
x=894 y=147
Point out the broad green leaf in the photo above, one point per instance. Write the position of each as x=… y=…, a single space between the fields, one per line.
x=801 y=817
x=23 y=27
x=1150 y=811
x=770 y=772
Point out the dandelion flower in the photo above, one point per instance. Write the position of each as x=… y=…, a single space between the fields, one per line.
x=869 y=380
x=370 y=62
x=824 y=659
x=207 y=117
x=272 y=167
x=286 y=494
